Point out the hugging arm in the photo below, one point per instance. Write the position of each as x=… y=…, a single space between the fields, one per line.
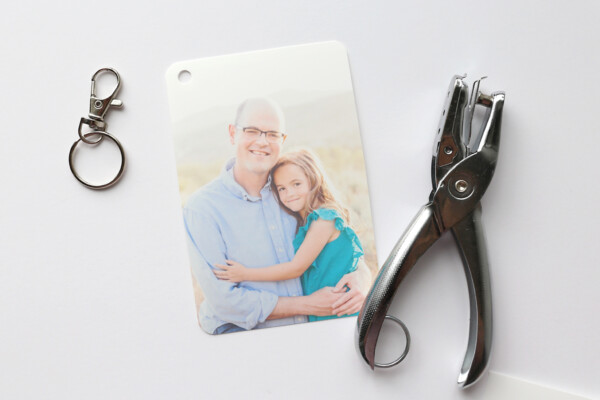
x=319 y=303
x=346 y=298
x=316 y=238
x=231 y=303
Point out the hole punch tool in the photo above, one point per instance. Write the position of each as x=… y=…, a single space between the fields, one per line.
x=462 y=168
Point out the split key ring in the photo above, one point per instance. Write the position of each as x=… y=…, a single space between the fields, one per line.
x=101 y=137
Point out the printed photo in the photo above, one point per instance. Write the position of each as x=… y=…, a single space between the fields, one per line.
x=273 y=185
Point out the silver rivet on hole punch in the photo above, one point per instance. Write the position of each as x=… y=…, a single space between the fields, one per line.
x=461 y=186
x=95 y=121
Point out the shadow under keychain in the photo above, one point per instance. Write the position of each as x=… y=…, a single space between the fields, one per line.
x=95 y=121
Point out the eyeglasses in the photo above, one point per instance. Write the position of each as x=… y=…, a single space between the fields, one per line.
x=252 y=133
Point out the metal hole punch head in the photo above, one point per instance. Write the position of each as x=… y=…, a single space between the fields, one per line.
x=98 y=108
x=462 y=168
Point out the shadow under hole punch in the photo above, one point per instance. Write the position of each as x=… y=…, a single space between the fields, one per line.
x=95 y=122
x=462 y=168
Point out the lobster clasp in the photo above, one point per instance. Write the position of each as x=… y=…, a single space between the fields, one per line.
x=99 y=107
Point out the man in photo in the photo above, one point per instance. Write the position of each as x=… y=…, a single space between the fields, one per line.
x=237 y=217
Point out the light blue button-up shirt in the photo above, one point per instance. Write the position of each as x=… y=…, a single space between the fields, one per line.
x=224 y=222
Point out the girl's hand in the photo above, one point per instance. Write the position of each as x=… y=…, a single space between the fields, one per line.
x=232 y=272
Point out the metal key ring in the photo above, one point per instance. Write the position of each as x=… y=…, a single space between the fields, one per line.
x=406 y=348
x=121 y=170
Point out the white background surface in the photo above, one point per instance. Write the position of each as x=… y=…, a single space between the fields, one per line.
x=95 y=292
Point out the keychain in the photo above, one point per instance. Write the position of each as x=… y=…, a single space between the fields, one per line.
x=98 y=108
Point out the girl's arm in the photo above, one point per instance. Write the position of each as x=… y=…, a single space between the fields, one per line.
x=318 y=235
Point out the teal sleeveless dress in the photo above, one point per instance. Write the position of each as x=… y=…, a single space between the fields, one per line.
x=335 y=260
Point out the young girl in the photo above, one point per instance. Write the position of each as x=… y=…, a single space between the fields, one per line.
x=326 y=246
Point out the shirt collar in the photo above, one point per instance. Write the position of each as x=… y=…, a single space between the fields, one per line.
x=231 y=184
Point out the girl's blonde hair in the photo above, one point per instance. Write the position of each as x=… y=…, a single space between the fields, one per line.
x=320 y=195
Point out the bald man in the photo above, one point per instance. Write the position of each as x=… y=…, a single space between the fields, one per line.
x=237 y=217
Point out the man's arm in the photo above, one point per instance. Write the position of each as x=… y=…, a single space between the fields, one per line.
x=318 y=303
x=231 y=303
x=329 y=301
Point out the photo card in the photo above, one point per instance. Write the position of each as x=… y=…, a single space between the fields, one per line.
x=273 y=186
